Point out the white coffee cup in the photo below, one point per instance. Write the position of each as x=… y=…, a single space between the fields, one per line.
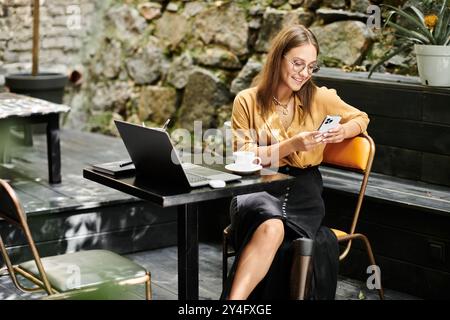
x=246 y=159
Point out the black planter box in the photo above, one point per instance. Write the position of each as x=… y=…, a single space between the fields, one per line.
x=46 y=86
x=410 y=123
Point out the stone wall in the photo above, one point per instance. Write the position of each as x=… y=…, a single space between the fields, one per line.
x=68 y=30
x=185 y=60
x=65 y=24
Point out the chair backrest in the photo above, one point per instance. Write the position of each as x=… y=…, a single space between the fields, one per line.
x=355 y=154
x=11 y=210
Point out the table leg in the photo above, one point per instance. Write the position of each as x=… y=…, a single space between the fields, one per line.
x=188 y=252
x=28 y=135
x=53 y=149
x=4 y=136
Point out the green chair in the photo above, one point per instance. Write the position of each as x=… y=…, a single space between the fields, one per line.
x=68 y=272
x=105 y=291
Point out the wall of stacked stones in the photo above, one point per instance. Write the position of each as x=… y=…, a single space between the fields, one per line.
x=148 y=61
x=64 y=25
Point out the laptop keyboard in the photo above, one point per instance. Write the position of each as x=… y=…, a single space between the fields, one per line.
x=196 y=173
x=194 y=178
x=202 y=171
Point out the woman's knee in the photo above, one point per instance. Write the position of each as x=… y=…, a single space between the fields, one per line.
x=272 y=230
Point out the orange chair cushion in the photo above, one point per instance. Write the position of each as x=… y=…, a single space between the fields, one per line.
x=339 y=233
x=350 y=153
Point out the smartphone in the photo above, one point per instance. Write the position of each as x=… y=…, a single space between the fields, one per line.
x=330 y=122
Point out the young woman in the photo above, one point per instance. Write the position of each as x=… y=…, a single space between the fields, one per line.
x=278 y=120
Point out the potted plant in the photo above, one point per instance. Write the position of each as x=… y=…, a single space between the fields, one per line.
x=430 y=36
x=47 y=86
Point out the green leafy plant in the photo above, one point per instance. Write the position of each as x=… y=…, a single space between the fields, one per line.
x=424 y=29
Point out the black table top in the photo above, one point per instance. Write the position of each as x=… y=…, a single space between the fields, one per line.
x=167 y=195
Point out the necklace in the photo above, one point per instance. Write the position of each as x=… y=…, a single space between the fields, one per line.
x=284 y=106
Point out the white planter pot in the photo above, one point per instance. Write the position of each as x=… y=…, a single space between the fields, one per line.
x=433 y=63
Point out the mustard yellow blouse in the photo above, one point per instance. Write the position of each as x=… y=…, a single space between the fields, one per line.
x=251 y=130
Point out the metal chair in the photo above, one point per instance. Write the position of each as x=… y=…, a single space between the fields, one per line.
x=355 y=154
x=67 y=272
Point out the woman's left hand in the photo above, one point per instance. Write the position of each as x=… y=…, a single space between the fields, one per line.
x=335 y=135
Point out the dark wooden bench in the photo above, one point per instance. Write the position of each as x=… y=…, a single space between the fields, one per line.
x=78 y=214
x=408 y=223
x=385 y=188
x=406 y=214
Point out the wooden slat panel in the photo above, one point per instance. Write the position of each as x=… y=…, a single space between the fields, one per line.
x=377 y=100
x=398 y=234
x=406 y=277
x=406 y=246
x=57 y=227
x=398 y=162
x=145 y=237
x=436 y=169
x=410 y=164
x=412 y=135
x=391 y=191
x=408 y=220
x=436 y=108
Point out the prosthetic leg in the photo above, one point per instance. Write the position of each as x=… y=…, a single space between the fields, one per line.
x=301 y=269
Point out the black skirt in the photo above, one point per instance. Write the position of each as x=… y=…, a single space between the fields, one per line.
x=302 y=209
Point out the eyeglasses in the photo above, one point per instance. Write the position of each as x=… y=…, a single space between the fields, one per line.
x=299 y=66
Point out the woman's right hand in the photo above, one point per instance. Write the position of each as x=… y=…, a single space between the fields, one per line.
x=305 y=141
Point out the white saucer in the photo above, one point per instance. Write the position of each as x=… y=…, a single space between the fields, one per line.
x=243 y=169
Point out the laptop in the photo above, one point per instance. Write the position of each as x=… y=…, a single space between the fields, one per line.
x=155 y=157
